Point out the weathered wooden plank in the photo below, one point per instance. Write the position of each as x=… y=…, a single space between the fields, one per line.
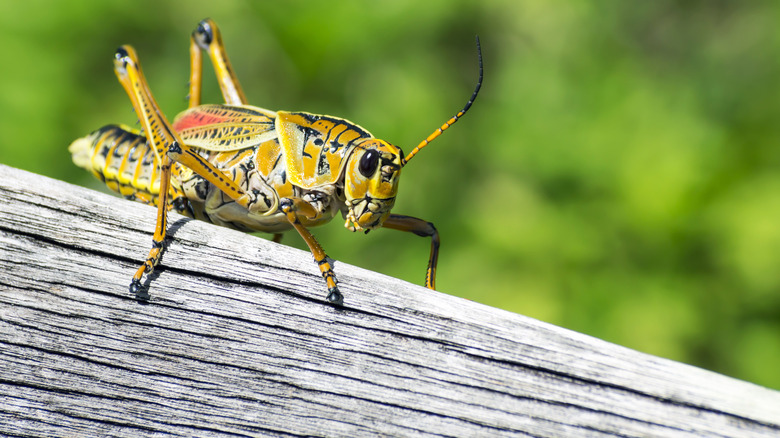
x=241 y=342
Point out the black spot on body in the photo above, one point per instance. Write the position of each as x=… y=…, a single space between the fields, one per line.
x=322 y=166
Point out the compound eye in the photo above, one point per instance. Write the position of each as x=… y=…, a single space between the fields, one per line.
x=368 y=163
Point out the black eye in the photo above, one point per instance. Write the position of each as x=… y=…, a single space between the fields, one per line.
x=368 y=163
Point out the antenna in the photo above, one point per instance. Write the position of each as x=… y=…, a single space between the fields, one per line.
x=455 y=118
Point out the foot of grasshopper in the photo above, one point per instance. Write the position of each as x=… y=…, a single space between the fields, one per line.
x=139 y=291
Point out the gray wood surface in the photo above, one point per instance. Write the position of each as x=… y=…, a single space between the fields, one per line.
x=238 y=341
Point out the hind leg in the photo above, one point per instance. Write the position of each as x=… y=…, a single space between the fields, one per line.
x=207 y=38
x=168 y=147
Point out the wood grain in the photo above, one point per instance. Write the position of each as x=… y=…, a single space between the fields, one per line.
x=237 y=340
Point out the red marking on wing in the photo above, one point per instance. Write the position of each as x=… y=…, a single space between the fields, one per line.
x=194 y=118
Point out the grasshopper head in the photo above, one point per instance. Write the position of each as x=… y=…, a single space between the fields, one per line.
x=371 y=183
x=372 y=172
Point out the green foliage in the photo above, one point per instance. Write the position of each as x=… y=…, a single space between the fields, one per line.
x=619 y=174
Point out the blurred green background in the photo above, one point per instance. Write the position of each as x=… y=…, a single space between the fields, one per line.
x=619 y=175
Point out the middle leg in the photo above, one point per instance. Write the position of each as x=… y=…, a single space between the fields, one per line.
x=294 y=209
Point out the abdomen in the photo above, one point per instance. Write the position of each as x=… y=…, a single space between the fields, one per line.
x=121 y=157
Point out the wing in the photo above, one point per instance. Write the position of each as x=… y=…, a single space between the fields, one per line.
x=223 y=128
x=316 y=147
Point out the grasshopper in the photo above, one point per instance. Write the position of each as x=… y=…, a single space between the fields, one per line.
x=249 y=168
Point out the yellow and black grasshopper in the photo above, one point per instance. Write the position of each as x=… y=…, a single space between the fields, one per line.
x=249 y=168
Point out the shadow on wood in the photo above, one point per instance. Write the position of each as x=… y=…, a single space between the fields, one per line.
x=237 y=339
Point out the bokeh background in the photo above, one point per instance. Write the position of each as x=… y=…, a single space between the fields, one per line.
x=619 y=175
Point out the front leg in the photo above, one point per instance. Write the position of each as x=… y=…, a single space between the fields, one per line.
x=294 y=209
x=421 y=228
